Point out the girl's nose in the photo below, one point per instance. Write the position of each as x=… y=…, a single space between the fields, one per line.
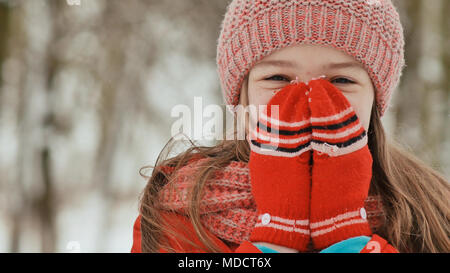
x=297 y=79
x=317 y=78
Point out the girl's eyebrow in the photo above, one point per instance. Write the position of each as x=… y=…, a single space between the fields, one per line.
x=278 y=63
x=345 y=65
x=289 y=64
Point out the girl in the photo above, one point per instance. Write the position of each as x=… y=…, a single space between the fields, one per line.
x=318 y=175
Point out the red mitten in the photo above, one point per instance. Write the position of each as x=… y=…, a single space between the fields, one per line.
x=280 y=170
x=342 y=167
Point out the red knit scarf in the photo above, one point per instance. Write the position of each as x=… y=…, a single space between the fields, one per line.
x=227 y=207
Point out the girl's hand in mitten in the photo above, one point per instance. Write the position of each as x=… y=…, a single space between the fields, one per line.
x=280 y=170
x=342 y=167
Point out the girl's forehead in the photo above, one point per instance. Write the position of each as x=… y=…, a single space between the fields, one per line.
x=308 y=56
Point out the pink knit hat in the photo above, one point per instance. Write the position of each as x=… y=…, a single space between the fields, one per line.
x=368 y=30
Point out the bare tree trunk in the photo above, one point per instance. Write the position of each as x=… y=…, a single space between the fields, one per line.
x=432 y=71
x=445 y=136
x=34 y=164
x=113 y=108
x=407 y=96
x=46 y=205
x=20 y=206
x=4 y=26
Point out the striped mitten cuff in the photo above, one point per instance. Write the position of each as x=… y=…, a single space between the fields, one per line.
x=342 y=168
x=280 y=170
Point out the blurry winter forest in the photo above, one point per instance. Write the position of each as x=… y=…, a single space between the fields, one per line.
x=86 y=90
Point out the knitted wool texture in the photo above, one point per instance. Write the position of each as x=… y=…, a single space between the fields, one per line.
x=368 y=30
x=280 y=169
x=227 y=206
x=342 y=169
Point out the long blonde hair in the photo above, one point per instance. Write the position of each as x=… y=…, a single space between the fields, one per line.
x=415 y=197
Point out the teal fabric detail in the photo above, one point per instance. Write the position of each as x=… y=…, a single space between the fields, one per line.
x=265 y=249
x=352 y=245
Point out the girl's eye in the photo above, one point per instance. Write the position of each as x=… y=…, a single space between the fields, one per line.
x=277 y=78
x=342 y=81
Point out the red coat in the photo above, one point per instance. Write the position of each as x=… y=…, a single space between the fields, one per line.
x=375 y=245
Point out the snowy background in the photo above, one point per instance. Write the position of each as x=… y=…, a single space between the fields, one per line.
x=86 y=92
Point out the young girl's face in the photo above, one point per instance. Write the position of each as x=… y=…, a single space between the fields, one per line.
x=308 y=62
